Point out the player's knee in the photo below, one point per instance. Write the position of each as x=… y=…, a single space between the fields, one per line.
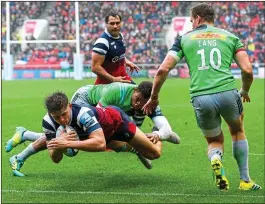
x=218 y=138
x=236 y=128
x=40 y=144
x=155 y=154
x=237 y=131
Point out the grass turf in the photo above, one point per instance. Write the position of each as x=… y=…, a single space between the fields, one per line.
x=181 y=175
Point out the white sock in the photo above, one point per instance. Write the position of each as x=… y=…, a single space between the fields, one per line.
x=27 y=152
x=30 y=136
x=215 y=153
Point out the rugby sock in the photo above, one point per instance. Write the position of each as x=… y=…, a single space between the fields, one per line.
x=30 y=136
x=215 y=153
x=134 y=151
x=240 y=153
x=26 y=152
x=125 y=148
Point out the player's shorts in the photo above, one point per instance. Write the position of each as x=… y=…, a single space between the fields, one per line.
x=209 y=109
x=127 y=128
x=80 y=97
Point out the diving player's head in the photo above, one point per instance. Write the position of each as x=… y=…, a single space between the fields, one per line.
x=141 y=95
x=201 y=14
x=58 y=107
x=113 y=23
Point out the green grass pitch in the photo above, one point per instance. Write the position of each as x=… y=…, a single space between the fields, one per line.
x=181 y=175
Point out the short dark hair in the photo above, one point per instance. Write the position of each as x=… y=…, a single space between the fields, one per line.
x=56 y=102
x=205 y=11
x=113 y=14
x=145 y=89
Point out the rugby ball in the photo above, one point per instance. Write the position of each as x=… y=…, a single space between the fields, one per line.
x=70 y=152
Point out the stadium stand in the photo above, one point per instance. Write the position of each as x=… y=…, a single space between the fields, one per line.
x=247 y=21
x=143 y=23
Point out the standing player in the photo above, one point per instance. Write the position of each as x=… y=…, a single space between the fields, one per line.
x=95 y=127
x=128 y=97
x=108 y=58
x=209 y=52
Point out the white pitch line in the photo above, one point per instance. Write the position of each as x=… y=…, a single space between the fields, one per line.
x=135 y=194
x=256 y=154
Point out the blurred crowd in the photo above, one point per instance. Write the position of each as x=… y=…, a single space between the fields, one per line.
x=142 y=24
x=247 y=21
x=142 y=27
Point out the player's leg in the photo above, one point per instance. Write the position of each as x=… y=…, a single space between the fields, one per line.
x=161 y=128
x=18 y=160
x=233 y=115
x=128 y=132
x=119 y=146
x=142 y=144
x=21 y=135
x=209 y=121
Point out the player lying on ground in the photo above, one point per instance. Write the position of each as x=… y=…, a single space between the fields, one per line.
x=128 y=97
x=95 y=127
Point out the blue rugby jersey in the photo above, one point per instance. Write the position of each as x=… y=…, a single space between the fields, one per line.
x=113 y=48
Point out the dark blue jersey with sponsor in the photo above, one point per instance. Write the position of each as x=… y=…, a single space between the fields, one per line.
x=85 y=119
x=113 y=48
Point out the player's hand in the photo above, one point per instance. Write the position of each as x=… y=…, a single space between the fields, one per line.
x=150 y=106
x=132 y=66
x=154 y=138
x=71 y=136
x=57 y=143
x=121 y=79
x=244 y=95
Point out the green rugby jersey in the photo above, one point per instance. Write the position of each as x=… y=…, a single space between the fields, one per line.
x=209 y=52
x=117 y=94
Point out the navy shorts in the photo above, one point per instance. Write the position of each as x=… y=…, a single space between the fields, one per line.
x=127 y=128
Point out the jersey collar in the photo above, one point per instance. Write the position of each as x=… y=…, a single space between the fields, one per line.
x=106 y=31
x=202 y=26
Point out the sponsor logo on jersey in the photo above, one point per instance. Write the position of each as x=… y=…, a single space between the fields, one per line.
x=208 y=36
x=117 y=58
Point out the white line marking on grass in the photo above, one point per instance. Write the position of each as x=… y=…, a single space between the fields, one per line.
x=134 y=194
x=256 y=154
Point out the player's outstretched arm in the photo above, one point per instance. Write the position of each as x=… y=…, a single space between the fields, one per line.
x=95 y=143
x=160 y=77
x=244 y=64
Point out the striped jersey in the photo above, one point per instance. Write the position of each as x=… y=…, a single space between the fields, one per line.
x=113 y=48
x=83 y=120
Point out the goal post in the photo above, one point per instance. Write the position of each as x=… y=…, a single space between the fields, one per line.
x=78 y=58
x=8 y=67
x=78 y=66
